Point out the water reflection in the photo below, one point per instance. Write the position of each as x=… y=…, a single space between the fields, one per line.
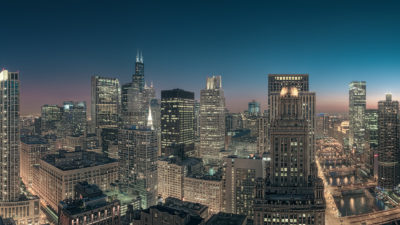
x=360 y=203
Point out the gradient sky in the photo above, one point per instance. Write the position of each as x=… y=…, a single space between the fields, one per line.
x=58 y=45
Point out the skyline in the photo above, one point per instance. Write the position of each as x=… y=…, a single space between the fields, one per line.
x=334 y=42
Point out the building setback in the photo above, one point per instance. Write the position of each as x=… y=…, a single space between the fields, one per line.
x=291 y=192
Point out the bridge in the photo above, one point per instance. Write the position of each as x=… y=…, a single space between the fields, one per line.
x=374 y=218
x=357 y=186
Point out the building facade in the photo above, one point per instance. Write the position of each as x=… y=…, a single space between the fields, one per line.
x=212 y=120
x=276 y=82
x=371 y=129
x=15 y=204
x=291 y=192
x=171 y=172
x=56 y=176
x=254 y=108
x=105 y=104
x=74 y=118
x=90 y=206
x=357 y=106
x=206 y=190
x=239 y=176
x=388 y=143
x=177 y=117
x=136 y=97
x=32 y=149
x=138 y=163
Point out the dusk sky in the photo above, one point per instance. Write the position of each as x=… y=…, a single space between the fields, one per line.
x=58 y=45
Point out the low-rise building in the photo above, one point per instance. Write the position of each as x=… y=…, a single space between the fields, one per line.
x=171 y=172
x=32 y=149
x=57 y=174
x=90 y=206
x=206 y=190
x=164 y=215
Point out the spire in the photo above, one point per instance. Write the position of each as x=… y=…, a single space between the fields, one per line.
x=150 y=119
x=145 y=85
x=151 y=84
x=141 y=56
x=137 y=56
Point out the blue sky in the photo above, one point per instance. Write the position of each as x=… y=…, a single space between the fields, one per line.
x=58 y=45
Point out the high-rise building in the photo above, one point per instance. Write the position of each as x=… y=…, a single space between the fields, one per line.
x=388 y=143
x=254 y=108
x=239 y=176
x=74 y=119
x=233 y=121
x=138 y=162
x=291 y=192
x=105 y=102
x=14 y=203
x=138 y=77
x=177 y=116
x=262 y=138
x=371 y=129
x=275 y=84
x=277 y=81
x=357 y=106
x=212 y=120
x=50 y=117
x=136 y=97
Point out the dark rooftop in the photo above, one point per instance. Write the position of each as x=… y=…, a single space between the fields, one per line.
x=227 y=219
x=33 y=139
x=64 y=160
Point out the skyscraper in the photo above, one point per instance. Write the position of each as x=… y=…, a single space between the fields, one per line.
x=254 y=108
x=74 y=119
x=11 y=197
x=212 y=120
x=291 y=190
x=136 y=97
x=50 y=116
x=277 y=81
x=177 y=117
x=371 y=129
x=239 y=175
x=388 y=143
x=10 y=139
x=357 y=105
x=275 y=84
x=138 y=77
x=105 y=102
x=138 y=163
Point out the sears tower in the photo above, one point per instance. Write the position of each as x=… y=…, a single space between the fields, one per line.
x=138 y=77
